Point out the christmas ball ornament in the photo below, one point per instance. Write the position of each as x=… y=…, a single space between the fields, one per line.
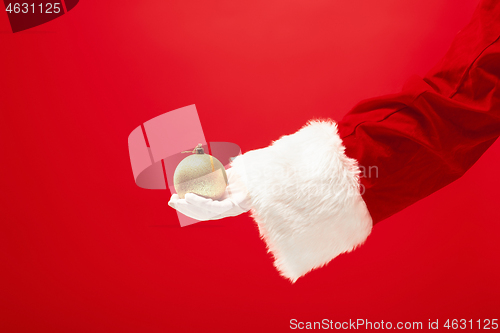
x=201 y=174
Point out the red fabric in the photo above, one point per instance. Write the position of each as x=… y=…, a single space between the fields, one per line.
x=412 y=144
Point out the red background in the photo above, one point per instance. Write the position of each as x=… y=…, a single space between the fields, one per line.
x=83 y=249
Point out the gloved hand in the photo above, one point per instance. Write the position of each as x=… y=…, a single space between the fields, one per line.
x=234 y=202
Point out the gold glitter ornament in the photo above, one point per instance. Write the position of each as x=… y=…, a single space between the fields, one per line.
x=201 y=174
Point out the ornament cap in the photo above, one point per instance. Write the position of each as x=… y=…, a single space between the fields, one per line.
x=199 y=149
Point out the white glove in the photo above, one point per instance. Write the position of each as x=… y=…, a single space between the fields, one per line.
x=235 y=201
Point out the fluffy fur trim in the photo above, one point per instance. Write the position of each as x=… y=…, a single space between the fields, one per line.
x=305 y=198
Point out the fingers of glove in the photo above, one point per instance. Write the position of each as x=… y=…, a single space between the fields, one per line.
x=203 y=209
x=195 y=212
x=213 y=206
x=212 y=209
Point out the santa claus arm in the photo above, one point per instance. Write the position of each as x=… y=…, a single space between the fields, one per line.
x=416 y=142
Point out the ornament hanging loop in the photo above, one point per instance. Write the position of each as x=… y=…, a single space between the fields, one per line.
x=197 y=150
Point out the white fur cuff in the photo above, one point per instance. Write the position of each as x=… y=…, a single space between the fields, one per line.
x=305 y=198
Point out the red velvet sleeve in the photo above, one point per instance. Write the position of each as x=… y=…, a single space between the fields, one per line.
x=411 y=144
